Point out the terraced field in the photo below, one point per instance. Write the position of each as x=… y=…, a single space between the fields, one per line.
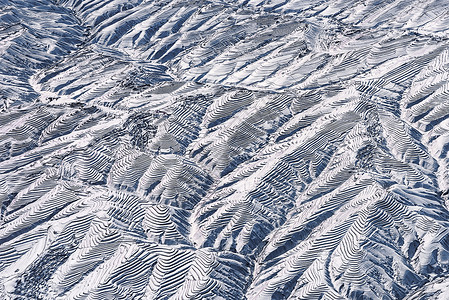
x=224 y=149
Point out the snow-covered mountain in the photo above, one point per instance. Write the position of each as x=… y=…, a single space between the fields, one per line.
x=224 y=149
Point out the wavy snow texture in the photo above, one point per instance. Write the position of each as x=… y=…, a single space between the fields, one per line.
x=224 y=150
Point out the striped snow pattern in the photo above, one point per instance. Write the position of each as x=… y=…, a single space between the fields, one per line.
x=224 y=149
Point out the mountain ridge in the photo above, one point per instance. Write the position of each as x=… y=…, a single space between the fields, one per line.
x=216 y=150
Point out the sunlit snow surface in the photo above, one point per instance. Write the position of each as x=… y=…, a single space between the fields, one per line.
x=224 y=149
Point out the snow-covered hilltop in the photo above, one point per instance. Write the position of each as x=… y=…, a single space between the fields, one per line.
x=224 y=149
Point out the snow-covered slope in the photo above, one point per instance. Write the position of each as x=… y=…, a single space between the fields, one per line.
x=224 y=149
